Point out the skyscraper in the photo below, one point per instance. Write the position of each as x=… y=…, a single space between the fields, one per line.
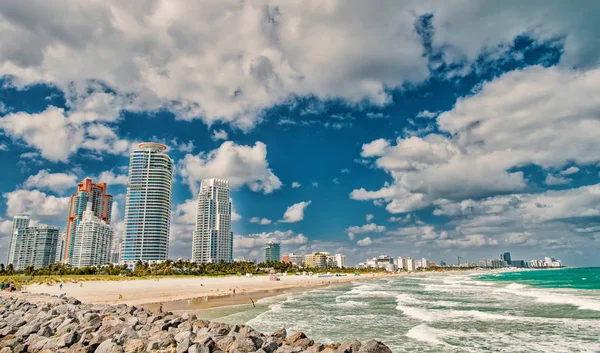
x=505 y=257
x=20 y=223
x=213 y=239
x=272 y=252
x=148 y=204
x=93 y=240
x=87 y=191
x=35 y=246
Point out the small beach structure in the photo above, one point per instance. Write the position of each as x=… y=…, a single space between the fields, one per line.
x=273 y=276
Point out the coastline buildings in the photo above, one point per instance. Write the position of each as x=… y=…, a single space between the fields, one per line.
x=272 y=252
x=318 y=259
x=20 y=223
x=35 y=246
x=93 y=240
x=294 y=259
x=87 y=192
x=339 y=260
x=212 y=239
x=148 y=204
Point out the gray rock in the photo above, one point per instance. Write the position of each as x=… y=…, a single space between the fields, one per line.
x=45 y=331
x=78 y=348
x=271 y=345
x=27 y=330
x=295 y=337
x=70 y=338
x=108 y=346
x=349 y=347
x=224 y=342
x=281 y=333
x=317 y=347
x=163 y=339
x=303 y=343
x=373 y=346
x=134 y=346
x=127 y=334
x=195 y=348
x=243 y=345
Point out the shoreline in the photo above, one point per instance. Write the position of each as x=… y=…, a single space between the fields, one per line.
x=152 y=292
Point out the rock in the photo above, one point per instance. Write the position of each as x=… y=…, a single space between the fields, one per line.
x=5 y=350
x=281 y=333
x=271 y=345
x=78 y=348
x=73 y=301
x=219 y=328
x=108 y=346
x=134 y=346
x=349 y=347
x=127 y=334
x=198 y=349
x=315 y=348
x=68 y=339
x=45 y=331
x=162 y=339
x=27 y=330
x=295 y=337
x=224 y=342
x=303 y=343
x=243 y=345
x=373 y=346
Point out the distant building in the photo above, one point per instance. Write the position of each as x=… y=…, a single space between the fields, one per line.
x=339 y=260
x=402 y=263
x=316 y=259
x=20 y=224
x=213 y=239
x=87 y=191
x=518 y=263
x=297 y=260
x=35 y=246
x=410 y=264
x=243 y=259
x=285 y=259
x=148 y=205
x=93 y=241
x=497 y=263
x=272 y=252
x=505 y=257
x=443 y=264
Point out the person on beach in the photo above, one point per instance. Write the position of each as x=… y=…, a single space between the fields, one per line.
x=160 y=310
x=60 y=286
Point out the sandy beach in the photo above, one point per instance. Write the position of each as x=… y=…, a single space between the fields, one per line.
x=147 y=291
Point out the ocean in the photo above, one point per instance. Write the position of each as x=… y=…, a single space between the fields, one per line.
x=526 y=311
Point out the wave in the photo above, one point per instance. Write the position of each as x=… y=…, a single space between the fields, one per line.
x=549 y=297
x=348 y=304
x=425 y=334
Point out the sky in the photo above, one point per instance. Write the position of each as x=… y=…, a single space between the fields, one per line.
x=430 y=129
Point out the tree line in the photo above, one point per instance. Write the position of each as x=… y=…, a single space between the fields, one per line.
x=170 y=268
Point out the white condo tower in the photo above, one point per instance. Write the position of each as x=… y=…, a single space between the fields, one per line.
x=213 y=239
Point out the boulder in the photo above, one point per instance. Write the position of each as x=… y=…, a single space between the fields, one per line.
x=373 y=346
x=134 y=346
x=295 y=337
x=349 y=347
x=281 y=333
x=108 y=346
x=243 y=345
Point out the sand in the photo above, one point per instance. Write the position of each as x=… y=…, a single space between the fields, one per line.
x=147 y=291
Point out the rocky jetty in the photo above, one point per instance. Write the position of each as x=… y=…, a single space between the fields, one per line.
x=72 y=327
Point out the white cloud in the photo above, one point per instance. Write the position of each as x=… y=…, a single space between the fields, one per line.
x=315 y=184
x=219 y=135
x=556 y=180
x=263 y=221
x=111 y=178
x=367 y=228
x=296 y=184
x=377 y=116
x=57 y=135
x=345 y=171
x=364 y=242
x=186 y=147
x=37 y=204
x=254 y=244
x=235 y=217
x=241 y=165
x=427 y=114
x=295 y=213
x=3 y=147
x=369 y=217
x=55 y=182
x=535 y=116
x=228 y=60
x=570 y=170
x=336 y=181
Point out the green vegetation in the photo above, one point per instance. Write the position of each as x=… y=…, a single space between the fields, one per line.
x=62 y=273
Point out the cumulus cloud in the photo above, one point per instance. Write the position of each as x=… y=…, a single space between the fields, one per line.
x=367 y=228
x=570 y=170
x=241 y=165
x=295 y=213
x=369 y=217
x=296 y=184
x=37 y=204
x=55 y=182
x=57 y=134
x=235 y=217
x=364 y=242
x=537 y=115
x=556 y=180
x=219 y=135
x=262 y=221
x=110 y=178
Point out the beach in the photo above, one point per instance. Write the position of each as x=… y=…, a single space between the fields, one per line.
x=159 y=290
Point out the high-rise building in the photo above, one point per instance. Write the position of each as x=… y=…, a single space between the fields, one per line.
x=272 y=252
x=148 y=204
x=87 y=191
x=20 y=223
x=410 y=264
x=505 y=257
x=35 y=246
x=93 y=240
x=295 y=259
x=339 y=260
x=213 y=240
x=316 y=259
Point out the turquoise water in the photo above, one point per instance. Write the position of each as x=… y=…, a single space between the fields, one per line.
x=577 y=278
x=507 y=312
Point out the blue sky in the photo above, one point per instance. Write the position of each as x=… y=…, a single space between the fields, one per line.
x=418 y=129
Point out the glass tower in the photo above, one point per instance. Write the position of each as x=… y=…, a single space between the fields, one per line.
x=87 y=191
x=20 y=224
x=93 y=241
x=148 y=205
x=272 y=252
x=213 y=239
x=35 y=246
